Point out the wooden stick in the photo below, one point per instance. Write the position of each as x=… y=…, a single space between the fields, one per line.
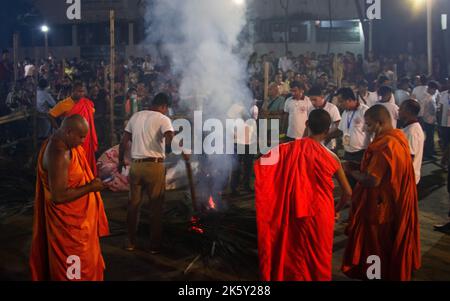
x=112 y=74
x=15 y=55
x=15 y=116
x=266 y=81
x=191 y=185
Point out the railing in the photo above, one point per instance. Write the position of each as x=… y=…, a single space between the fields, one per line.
x=16 y=116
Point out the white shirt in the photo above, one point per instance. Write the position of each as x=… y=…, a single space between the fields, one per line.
x=419 y=92
x=148 y=67
x=428 y=108
x=445 y=102
x=248 y=134
x=393 y=111
x=298 y=115
x=369 y=99
x=416 y=138
x=335 y=117
x=401 y=96
x=352 y=126
x=147 y=129
x=285 y=64
x=29 y=70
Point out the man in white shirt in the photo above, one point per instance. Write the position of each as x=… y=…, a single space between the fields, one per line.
x=351 y=128
x=428 y=113
x=243 y=140
x=318 y=101
x=285 y=63
x=149 y=132
x=29 y=69
x=444 y=118
x=420 y=91
x=366 y=97
x=148 y=68
x=385 y=93
x=409 y=115
x=298 y=108
x=402 y=93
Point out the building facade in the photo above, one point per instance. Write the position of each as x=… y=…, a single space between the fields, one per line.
x=304 y=24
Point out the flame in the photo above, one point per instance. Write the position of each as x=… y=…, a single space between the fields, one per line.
x=211 y=203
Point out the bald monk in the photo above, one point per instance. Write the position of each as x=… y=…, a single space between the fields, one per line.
x=77 y=104
x=295 y=207
x=384 y=215
x=69 y=216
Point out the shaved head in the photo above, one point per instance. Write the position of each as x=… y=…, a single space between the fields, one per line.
x=379 y=113
x=75 y=123
x=74 y=130
x=378 y=120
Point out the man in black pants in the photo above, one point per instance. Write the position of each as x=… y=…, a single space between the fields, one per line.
x=244 y=162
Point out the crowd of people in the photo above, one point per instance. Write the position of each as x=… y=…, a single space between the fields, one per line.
x=51 y=80
x=382 y=113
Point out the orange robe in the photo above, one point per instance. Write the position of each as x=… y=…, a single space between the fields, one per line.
x=85 y=108
x=384 y=220
x=63 y=230
x=295 y=213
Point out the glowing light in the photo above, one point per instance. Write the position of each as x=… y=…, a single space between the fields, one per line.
x=239 y=2
x=44 y=28
x=211 y=203
x=417 y=5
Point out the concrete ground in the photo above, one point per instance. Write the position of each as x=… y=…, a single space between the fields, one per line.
x=235 y=254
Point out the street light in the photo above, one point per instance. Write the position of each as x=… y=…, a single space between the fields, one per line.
x=417 y=5
x=45 y=29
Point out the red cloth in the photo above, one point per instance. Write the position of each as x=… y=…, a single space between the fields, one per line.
x=295 y=213
x=384 y=220
x=63 y=230
x=85 y=108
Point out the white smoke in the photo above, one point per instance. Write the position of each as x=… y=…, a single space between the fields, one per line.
x=201 y=39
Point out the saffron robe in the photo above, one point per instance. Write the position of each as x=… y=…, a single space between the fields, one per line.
x=71 y=229
x=384 y=219
x=295 y=212
x=85 y=108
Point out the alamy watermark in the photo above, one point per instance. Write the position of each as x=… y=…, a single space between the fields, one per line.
x=73 y=267
x=230 y=136
x=374 y=270
x=74 y=10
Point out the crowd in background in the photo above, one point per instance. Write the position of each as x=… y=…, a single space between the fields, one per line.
x=138 y=79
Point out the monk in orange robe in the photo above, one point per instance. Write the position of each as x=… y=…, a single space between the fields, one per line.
x=295 y=206
x=384 y=215
x=77 y=104
x=69 y=216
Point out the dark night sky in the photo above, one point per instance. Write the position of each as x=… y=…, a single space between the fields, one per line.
x=14 y=14
x=401 y=22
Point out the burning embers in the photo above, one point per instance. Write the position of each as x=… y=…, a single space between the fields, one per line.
x=197 y=224
x=207 y=193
